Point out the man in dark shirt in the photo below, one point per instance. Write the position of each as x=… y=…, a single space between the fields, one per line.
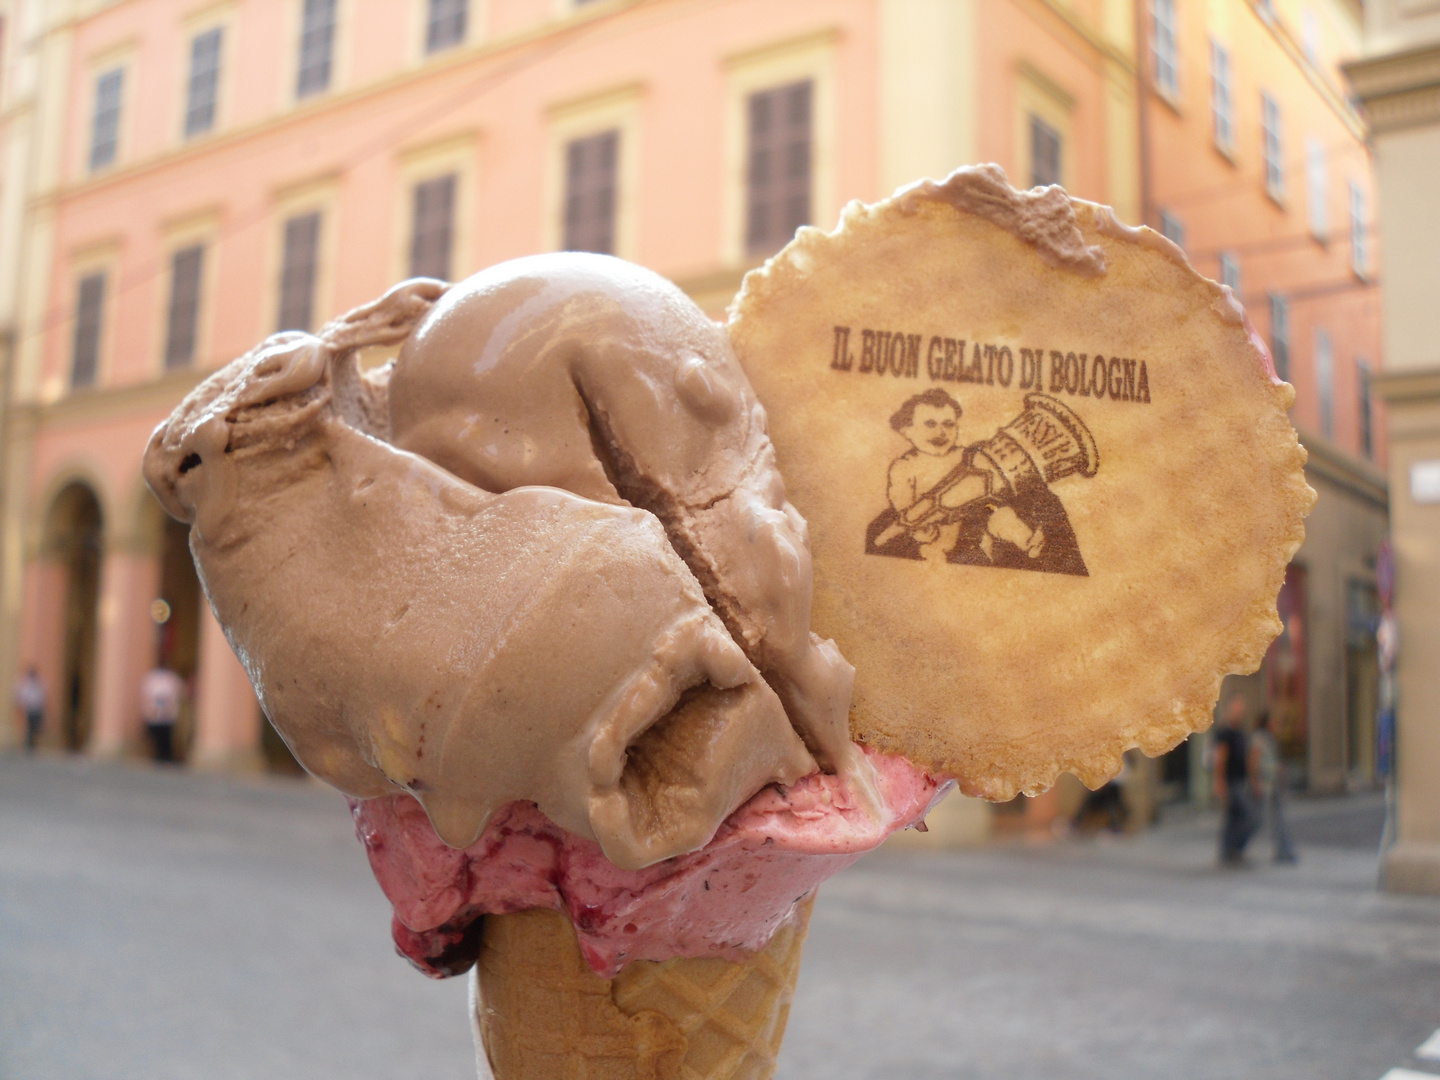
x=1233 y=784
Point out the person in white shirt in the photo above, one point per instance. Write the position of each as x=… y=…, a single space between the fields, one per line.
x=30 y=697
x=161 y=692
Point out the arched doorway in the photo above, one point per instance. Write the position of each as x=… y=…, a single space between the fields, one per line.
x=178 y=621
x=74 y=532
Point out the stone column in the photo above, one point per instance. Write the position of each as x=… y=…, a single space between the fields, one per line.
x=125 y=649
x=227 y=716
x=1413 y=864
x=1402 y=99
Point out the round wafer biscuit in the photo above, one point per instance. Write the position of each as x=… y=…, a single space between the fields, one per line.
x=1049 y=476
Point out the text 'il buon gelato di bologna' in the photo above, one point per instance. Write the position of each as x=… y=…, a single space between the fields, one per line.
x=944 y=359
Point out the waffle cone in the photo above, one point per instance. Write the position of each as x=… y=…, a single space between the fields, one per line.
x=542 y=1014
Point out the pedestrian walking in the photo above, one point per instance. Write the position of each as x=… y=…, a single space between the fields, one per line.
x=30 y=698
x=160 y=695
x=1234 y=785
x=1265 y=767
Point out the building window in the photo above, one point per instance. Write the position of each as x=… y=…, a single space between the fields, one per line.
x=1325 y=382
x=432 y=229
x=183 y=317
x=1272 y=147
x=591 y=169
x=204 y=86
x=317 y=44
x=1280 y=334
x=89 y=312
x=1045 y=147
x=1164 y=47
x=1310 y=35
x=777 y=186
x=1222 y=97
x=1230 y=271
x=300 y=265
x=1362 y=391
x=105 y=125
x=1172 y=228
x=445 y=24
x=1317 y=188
x=1359 y=232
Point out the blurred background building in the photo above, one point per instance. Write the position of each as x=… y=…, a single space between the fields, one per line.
x=1399 y=83
x=183 y=177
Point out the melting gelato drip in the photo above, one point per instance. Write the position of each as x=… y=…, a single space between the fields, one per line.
x=725 y=900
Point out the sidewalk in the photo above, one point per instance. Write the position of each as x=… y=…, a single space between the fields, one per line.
x=172 y=925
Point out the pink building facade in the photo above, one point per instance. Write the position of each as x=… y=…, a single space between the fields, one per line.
x=218 y=171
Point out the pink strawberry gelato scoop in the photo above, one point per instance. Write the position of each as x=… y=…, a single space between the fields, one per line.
x=725 y=899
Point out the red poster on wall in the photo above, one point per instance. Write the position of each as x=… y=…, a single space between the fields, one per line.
x=1284 y=669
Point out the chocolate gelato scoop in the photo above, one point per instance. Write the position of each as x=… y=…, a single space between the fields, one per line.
x=591 y=374
x=408 y=629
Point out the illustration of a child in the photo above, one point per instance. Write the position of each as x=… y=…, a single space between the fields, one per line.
x=932 y=478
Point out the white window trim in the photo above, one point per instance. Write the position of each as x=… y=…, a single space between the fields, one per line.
x=195 y=228
x=1168 y=93
x=811 y=57
x=323 y=195
x=223 y=17
x=1276 y=190
x=1360 y=255
x=453 y=155
x=614 y=109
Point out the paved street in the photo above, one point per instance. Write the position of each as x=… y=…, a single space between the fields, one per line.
x=173 y=926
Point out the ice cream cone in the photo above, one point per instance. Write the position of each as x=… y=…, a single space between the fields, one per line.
x=542 y=1014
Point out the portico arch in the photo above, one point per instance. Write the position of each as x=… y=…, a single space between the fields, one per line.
x=72 y=543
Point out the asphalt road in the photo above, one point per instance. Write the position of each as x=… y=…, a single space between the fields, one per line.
x=171 y=926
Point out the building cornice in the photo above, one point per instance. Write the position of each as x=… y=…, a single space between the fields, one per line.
x=107 y=403
x=1408 y=387
x=1346 y=471
x=1400 y=90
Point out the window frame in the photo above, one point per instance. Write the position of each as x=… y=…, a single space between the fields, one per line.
x=453 y=180
x=1222 y=99
x=1172 y=227
x=1165 y=50
x=1358 y=207
x=1365 y=407
x=1229 y=272
x=415 y=165
x=334 y=82
x=218 y=75
x=1272 y=146
x=322 y=195
x=83 y=276
x=810 y=57
x=618 y=109
x=1317 y=189
x=120 y=71
x=569 y=242
x=1323 y=363
x=774 y=241
x=1281 y=339
x=428 y=46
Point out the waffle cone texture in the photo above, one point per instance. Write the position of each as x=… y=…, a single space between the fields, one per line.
x=542 y=1014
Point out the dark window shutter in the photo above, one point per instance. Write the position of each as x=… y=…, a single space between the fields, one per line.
x=183 y=318
x=778 y=166
x=204 y=82
x=433 y=228
x=298 y=270
x=445 y=24
x=1044 y=153
x=89 y=311
x=317 y=42
x=591 y=167
x=105 y=126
